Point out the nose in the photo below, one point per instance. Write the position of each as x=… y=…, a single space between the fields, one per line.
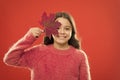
x=61 y=30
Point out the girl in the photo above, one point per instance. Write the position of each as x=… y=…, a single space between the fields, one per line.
x=59 y=58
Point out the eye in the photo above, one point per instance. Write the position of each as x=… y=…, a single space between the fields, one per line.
x=67 y=28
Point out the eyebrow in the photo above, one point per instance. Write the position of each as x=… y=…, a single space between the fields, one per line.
x=69 y=26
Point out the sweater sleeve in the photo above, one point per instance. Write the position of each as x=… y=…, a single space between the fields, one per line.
x=84 y=68
x=17 y=53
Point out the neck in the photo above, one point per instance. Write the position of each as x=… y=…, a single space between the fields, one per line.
x=61 y=46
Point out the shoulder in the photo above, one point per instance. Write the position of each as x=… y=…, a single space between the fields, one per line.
x=80 y=53
x=37 y=50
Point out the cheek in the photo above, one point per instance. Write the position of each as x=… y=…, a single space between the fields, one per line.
x=69 y=33
x=55 y=37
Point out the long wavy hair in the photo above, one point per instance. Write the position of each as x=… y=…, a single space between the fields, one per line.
x=73 y=41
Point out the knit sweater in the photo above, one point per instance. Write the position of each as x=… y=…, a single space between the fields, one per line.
x=47 y=62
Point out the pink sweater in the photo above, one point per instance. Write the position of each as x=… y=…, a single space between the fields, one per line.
x=47 y=62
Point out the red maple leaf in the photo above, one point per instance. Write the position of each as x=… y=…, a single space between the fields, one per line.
x=50 y=25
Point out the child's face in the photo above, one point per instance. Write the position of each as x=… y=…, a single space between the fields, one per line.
x=64 y=32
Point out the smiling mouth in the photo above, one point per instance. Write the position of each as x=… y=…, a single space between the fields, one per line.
x=61 y=36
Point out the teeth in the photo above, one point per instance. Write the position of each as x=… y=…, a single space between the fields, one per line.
x=61 y=37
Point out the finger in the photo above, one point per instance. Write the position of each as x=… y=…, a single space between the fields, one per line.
x=42 y=31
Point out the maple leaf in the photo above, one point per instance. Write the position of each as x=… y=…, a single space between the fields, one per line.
x=50 y=25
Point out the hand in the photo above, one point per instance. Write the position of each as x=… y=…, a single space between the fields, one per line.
x=36 y=31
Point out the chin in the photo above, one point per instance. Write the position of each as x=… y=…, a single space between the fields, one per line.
x=61 y=42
